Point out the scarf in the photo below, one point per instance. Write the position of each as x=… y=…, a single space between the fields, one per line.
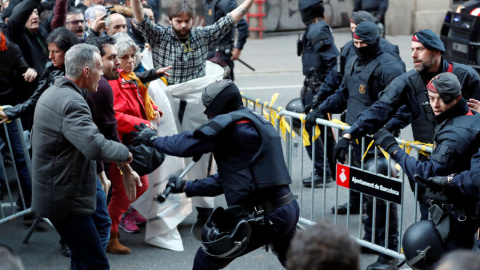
x=3 y=42
x=149 y=111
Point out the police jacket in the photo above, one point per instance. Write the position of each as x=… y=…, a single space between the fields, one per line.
x=410 y=89
x=65 y=145
x=216 y=9
x=456 y=140
x=319 y=53
x=334 y=77
x=361 y=85
x=376 y=7
x=46 y=80
x=248 y=153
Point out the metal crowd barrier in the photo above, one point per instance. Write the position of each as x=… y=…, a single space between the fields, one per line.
x=9 y=177
x=313 y=201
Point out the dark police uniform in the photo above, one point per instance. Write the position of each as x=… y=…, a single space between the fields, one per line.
x=457 y=139
x=319 y=56
x=251 y=172
x=214 y=10
x=377 y=8
x=359 y=90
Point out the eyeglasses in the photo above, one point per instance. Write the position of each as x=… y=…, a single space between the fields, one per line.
x=76 y=22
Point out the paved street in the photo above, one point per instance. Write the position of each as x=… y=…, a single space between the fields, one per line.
x=278 y=70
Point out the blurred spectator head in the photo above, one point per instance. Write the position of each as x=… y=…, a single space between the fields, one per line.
x=149 y=12
x=321 y=247
x=460 y=259
x=75 y=22
x=9 y=260
x=59 y=41
x=115 y=23
x=94 y=12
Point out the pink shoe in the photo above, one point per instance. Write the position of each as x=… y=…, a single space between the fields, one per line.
x=139 y=220
x=128 y=224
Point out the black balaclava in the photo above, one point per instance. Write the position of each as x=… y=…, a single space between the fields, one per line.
x=221 y=97
x=368 y=32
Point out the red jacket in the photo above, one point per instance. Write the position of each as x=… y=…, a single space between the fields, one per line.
x=128 y=105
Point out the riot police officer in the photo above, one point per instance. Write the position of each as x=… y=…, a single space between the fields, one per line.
x=377 y=7
x=456 y=141
x=251 y=169
x=332 y=83
x=225 y=50
x=319 y=56
x=409 y=89
x=365 y=74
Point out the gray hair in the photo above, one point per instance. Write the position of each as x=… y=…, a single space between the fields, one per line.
x=78 y=57
x=90 y=12
x=123 y=42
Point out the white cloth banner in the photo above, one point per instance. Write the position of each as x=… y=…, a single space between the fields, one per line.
x=163 y=218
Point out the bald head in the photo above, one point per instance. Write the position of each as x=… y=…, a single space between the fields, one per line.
x=115 y=23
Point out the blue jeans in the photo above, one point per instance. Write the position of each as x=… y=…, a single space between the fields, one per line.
x=15 y=136
x=80 y=234
x=101 y=218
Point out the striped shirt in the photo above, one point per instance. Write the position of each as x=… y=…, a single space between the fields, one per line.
x=188 y=60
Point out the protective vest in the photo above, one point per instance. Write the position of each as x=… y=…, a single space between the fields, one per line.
x=214 y=10
x=267 y=167
x=423 y=127
x=316 y=42
x=359 y=85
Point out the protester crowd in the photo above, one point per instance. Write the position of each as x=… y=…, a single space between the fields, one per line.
x=72 y=73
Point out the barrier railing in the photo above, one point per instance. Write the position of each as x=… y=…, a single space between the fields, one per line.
x=10 y=179
x=283 y=121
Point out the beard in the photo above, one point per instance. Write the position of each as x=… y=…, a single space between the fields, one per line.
x=426 y=65
x=181 y=35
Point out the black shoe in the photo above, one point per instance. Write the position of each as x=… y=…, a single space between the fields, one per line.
x=317 y=181
x=384 y=262
x=65 y=249
x=342 y=209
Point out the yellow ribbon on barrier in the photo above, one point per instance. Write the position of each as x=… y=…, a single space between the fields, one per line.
x=265 y=114
x=317 y=133
x=343 y=125
x=284 y=126
x=272 y=111
x=305 y=136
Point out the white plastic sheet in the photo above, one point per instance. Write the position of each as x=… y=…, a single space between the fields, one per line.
x=163 y=218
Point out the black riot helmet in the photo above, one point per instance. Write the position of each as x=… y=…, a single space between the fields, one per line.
x=296 y=105
x=224 y=236
x=221 y=97
x=422 y=245
x=310 y=9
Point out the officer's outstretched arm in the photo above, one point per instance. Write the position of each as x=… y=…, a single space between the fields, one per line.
x=240 y=11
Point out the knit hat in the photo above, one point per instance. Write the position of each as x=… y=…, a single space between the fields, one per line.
x=446 y=85
x=221 y=97
x=361 y=16
x=429 y=40
x=310 y=9
x=368 y=32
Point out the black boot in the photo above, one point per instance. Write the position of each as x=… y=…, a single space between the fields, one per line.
x=317 y=181
x=384 y=262
x=343 y=208
x=65 y=249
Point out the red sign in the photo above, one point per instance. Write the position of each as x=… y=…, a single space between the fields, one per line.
x=343 y=175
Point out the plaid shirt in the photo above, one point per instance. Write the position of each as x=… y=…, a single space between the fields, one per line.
x=188 y=61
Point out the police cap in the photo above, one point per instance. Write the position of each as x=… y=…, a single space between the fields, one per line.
x=429 y=40
x=446 y=85
x=368 y=32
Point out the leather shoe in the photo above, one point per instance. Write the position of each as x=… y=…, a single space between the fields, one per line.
x=384 y=262
x=317 y=181
x=342 y=209
x=65 y=248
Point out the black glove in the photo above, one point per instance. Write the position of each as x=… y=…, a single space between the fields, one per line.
x=144 y=135
x=441 y=181
x=312 y=105
x=341 y=149
x=313 y=115
x=385 y=139
x=176 y=184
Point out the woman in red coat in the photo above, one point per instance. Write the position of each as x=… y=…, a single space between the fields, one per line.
x=132 y=106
